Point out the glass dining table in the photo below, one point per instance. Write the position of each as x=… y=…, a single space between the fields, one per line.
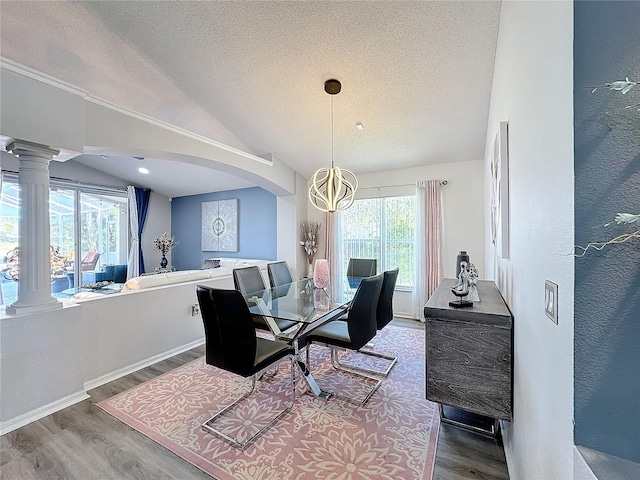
x=306 y=305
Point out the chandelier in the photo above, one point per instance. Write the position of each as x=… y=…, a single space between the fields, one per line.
x=332 y=189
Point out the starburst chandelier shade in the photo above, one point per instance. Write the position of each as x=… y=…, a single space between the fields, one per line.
x=332 y=189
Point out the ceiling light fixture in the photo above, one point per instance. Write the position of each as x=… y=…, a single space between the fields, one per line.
x=332 y=189
x=143 y=170
x=359 y=126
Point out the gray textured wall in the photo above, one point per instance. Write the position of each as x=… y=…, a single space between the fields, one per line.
x=607 y=181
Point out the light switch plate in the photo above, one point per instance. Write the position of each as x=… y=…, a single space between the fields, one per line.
x=551 y=300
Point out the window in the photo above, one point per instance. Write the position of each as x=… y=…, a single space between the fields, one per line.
x=103 y=230
x=83 y=219
x=62 y=221
x=384 y=229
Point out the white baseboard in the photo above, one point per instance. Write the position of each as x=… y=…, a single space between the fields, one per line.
x=41 y=412
x=121 y=372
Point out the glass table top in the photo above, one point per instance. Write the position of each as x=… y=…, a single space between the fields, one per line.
x=301 y=301
x=111 y=288
x=306 y=304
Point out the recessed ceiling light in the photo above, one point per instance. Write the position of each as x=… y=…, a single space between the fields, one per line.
x=139 y=158
x=359 y=126
x=143 y=170
x=104 y=157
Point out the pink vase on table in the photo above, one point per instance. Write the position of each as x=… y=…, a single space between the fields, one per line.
x=321 y=273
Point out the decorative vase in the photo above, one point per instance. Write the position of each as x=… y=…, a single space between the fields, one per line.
x=321 y=273
x=163 y=262
x=462 y=257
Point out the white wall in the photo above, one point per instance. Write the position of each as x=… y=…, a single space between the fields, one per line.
x=41 y=364
x=462 y=205
x=158 y=221
x=68 y=170
x=42 y=109
x=533 y=91
x=292 y=211
x=48 y=360
x=127 y=331
x=39 y=112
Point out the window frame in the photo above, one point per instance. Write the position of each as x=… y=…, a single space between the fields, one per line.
x=383 y=242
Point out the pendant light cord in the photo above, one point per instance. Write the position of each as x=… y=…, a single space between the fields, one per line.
x=332 y=189
x=332 y=131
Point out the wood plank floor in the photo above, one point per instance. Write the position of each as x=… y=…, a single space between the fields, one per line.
x=83 y=442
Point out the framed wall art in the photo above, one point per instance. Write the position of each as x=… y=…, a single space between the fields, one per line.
x=500 y=192
x=220 y=226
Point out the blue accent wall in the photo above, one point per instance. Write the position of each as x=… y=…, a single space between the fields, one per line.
x=257 y=227
x=607 y=181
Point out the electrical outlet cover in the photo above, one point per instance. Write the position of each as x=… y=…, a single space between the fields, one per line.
x=551 y=300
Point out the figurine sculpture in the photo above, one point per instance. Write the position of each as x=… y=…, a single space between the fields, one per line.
x=473 y=296
x=461 y=289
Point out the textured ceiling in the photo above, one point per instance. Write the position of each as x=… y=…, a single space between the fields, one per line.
x=250 y=74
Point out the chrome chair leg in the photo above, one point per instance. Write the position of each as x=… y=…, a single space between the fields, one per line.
x=373 y=389
x=384 y=373
x=207 y=426
x=335 y=364
x=269 y=373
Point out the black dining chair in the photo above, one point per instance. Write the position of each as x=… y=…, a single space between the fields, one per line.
x=279 y=273
x=249 y=280
x=384 y=315
x=353 y=330
x=362 y=267
x=359 y=268
x=232 y=345
x=279 y=277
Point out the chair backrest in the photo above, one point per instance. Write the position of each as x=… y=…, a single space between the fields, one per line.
x=280 y=278
x=362 y=267
x=279 y=274
x=385 y=303
x=89 y=262
x=361 y=320
x=228 y=329
x=248 y=279
x=115 y=273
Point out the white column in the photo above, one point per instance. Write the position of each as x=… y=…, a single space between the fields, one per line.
x=34 y=282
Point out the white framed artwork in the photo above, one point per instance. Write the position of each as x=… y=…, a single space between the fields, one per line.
x=500 y=192
x=220 y=226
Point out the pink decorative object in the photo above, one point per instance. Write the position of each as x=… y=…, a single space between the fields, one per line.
x=321 y=273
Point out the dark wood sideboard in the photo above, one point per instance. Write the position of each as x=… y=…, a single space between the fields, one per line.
x=469 y=351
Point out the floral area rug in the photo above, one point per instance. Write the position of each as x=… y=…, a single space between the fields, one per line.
x=394 y=436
